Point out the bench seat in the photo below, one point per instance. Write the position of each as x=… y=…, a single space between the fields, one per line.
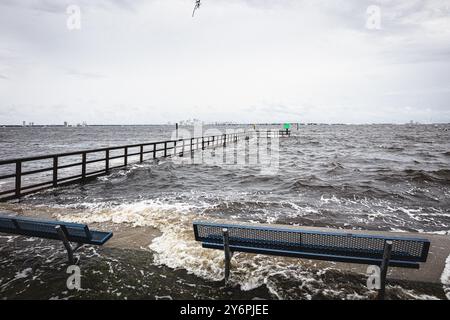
x=314 y=256
x=57 y=230
x=337 y=246
x=343 y=246
x=31 y=227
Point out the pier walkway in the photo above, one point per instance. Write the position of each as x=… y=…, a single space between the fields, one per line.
x=22 y=176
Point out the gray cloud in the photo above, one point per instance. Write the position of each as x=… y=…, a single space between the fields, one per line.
x=86 y=75
x=58 y=6
x=236 y=60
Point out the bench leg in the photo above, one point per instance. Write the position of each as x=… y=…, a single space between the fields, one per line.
x=63 y=237
x=384 y=268
x=226 y=248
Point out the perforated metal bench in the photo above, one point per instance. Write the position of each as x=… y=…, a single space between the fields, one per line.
x=58 y=230
x=336 y=246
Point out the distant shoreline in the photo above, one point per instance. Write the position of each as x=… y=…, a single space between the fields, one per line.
x=219 y=124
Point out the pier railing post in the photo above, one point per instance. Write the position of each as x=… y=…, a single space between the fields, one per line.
x=111 y=153
x=384 y=268
x=107 y=161
x=18 y=186
x=182 y=148
x=83 y=165
x=55 y=171
x=226 y=249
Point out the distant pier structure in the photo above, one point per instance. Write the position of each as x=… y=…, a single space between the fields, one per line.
x=28 y=175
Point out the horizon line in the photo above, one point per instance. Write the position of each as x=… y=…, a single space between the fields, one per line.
x=218 y=124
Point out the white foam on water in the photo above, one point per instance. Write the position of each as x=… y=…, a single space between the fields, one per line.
x=248 y=271
x=411 y=294
x=299 y=211
x=332 y=199
x=441 y=232
x=25 y=273
x=445 y=278
x=177 y=248
x=124 y=172
x=396 y=230
x=9 y=238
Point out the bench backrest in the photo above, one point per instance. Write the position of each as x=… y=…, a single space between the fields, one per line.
x=75 y=232
x=272 y=239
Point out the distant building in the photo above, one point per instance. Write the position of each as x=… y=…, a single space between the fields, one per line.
x=24 y=123
x=65 y=124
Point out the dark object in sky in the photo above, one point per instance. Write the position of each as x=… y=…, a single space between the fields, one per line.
x=197 y=5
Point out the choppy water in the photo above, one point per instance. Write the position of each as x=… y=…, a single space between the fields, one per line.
x=377 y=177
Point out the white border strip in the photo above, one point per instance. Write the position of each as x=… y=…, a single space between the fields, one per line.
x=445 y=278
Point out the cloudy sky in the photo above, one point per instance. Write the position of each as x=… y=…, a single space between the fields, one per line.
x=140 y=62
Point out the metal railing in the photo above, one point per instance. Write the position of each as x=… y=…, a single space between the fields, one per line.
x=156 y=150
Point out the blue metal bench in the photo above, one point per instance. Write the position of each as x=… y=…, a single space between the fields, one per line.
x=336 y=246
x=58 y=230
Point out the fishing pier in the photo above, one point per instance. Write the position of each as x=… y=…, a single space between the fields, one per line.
x=23 y=176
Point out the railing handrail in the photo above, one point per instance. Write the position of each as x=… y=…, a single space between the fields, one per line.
x=17 y=192
x=73 y=153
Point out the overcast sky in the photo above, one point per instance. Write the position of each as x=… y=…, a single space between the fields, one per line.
x=140 y=62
